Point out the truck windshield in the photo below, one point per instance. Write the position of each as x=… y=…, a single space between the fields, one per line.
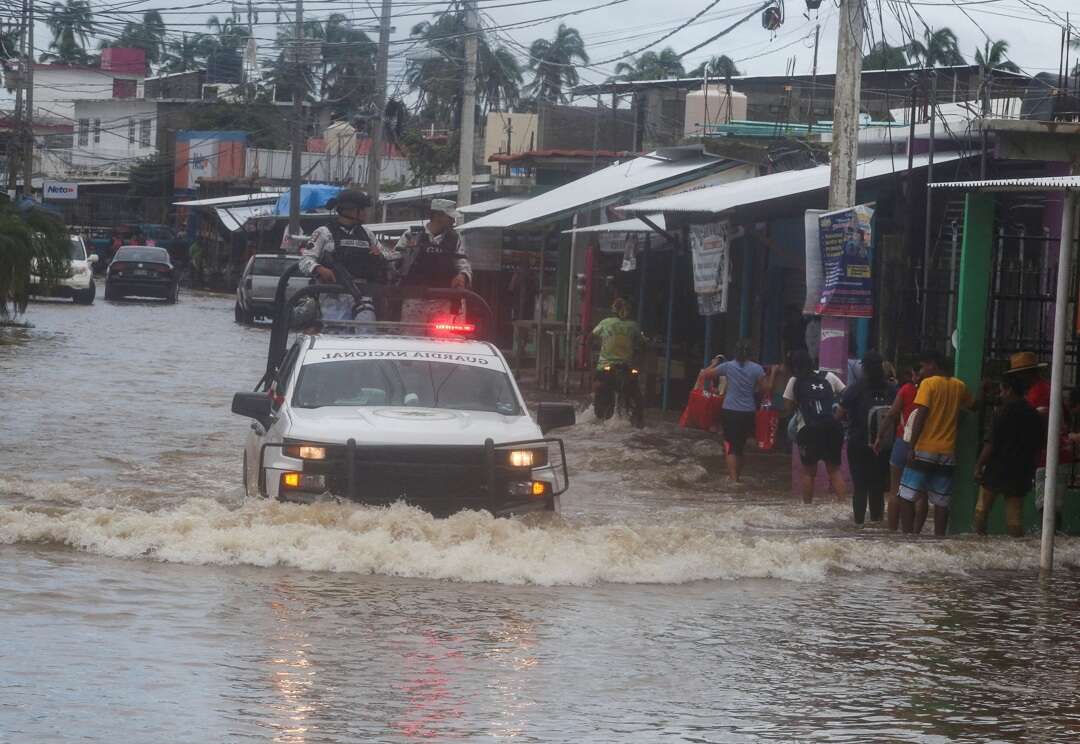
x=405 y=383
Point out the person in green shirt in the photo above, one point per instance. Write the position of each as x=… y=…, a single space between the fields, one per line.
x=620 y=338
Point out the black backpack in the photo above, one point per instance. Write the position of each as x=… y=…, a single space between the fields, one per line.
x=877 y=404
x=815 y=397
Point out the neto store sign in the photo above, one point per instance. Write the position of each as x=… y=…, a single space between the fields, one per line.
x=61 y=190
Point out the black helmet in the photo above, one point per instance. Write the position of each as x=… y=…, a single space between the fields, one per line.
x=350 y=198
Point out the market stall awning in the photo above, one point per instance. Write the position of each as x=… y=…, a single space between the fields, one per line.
x=720 y=198
x=259 y=197
x=649 y=173
x=433 y=191
x=234 y=218
x=1049 y=183
x=491 y=205
x=632 y=225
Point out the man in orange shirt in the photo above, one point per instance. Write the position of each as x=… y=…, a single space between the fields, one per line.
x=928 y=476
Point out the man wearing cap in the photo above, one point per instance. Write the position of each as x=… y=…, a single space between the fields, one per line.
x=351 y=246
x=433 y=258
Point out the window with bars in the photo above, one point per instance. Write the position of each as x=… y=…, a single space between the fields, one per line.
x=144 y=132
x=97 y=131
x=84 y=132
x=131 y=131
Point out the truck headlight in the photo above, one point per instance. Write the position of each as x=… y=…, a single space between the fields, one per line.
x=306 y=451
x=527 y=458
x=303 y=482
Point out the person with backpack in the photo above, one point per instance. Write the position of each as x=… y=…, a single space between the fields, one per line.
x=866 y=406
x=813 y=395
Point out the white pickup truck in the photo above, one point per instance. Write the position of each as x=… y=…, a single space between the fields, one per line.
x=435 y=421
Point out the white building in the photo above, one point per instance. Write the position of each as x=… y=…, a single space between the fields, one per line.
x=58 y=87
x=110 y=136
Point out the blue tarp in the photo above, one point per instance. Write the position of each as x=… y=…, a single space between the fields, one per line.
x=312 y=196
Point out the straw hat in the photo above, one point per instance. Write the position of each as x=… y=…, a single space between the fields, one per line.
x=1023 y=361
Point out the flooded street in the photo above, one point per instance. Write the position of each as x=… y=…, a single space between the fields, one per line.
x=146 y=601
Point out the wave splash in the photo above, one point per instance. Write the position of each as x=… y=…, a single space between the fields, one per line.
x=474 y=547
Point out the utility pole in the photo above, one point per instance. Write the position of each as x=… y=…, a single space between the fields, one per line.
x=377 y=124
x=843 y=155
x=843 y=158
x=813 y=83
x=468 y=106
x=14 y=148
x=298 y=121
x=28 y=168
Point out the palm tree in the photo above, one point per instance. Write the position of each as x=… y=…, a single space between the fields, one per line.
x=553 y=66
x=71 y=25
x=148 y=34
x=651 y=66
x=435 y=75
x=937 y=48
x=995 y=56
x=348 y=78
x=186 y=54
x=717 y=67
x=884 y=56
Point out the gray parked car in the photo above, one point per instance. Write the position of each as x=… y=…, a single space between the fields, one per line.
x=258 y=283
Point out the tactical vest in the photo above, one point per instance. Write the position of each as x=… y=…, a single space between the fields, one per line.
x=352 y=250
x=435 y=264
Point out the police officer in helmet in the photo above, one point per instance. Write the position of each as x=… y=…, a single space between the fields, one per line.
x=434 y=257
x=353 y=247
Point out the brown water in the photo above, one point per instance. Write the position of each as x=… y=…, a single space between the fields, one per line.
x=146 y=601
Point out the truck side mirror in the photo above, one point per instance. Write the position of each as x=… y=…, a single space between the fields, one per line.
x=555 y=416
x=256 y=406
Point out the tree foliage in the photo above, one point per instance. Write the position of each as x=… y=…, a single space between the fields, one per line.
x=937 y=48
x=884 y=56
x=32 y=241
x=717 y=67
x=428 y=158
x=435 y=73
x=147 y=34
x=553 y=63
x=651 y=66
x=71 y=25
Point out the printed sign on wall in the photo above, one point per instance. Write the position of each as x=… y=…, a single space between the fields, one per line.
x=711 y=259
x=846 y=240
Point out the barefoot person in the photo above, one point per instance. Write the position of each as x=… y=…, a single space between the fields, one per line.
x=928 y=476
x=812 y=395
x=861 y=406
x=1006 y=466
x=746 y=382
x=898 y=416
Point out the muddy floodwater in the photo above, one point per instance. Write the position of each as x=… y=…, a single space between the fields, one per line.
x=144 y=600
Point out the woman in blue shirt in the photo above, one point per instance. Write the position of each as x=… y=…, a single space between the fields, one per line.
x=746 y=381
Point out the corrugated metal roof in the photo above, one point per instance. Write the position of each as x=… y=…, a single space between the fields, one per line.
x=492 y=205
x=723 y=197
x=1048 y=183
x=267 y=197
x=634 y=224
x=428 y=192
x=648 y=173
x=516 y=157
x=233 y=218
